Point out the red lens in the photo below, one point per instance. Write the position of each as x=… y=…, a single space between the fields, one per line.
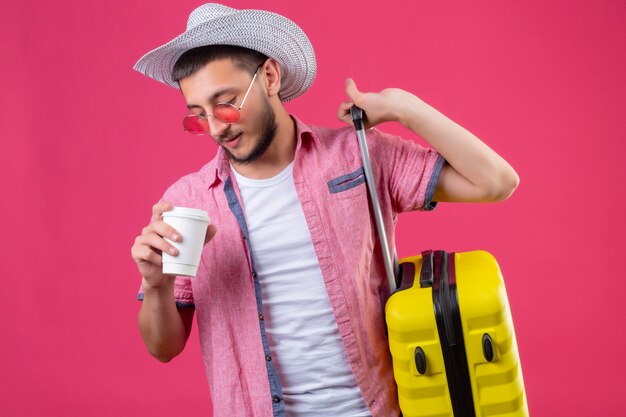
x=227 y=113
x=195 y=124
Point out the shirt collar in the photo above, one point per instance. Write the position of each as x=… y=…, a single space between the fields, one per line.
x=222 y=167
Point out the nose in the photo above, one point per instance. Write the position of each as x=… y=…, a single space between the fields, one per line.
x=217 y=127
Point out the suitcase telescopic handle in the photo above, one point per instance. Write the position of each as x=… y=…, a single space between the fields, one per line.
x=391 y=268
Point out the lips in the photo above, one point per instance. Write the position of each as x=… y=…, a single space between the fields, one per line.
x=233 y=142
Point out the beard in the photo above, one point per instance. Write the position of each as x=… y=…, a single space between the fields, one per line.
x=268 y=129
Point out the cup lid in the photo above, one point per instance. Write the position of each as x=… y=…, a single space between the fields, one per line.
x=188 y=212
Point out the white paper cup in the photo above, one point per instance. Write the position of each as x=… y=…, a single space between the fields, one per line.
x=191 y=224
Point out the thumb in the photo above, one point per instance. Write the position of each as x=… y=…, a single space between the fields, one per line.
x=210 y=232
x=352 y=91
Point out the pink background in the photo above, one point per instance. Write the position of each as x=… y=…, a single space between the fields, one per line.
x=88 y=145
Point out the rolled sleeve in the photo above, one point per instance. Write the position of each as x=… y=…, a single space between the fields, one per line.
x=410 y=170
x=183 y=294
x=429 y=204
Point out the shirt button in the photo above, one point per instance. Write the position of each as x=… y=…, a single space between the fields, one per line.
x=276 y=398
x=253 y=274
x=268 y=358
x=261 y=317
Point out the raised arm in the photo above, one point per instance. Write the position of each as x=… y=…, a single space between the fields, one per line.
x=473 y=171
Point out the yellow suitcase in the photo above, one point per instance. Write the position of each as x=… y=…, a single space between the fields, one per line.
x=452 y=340
x=451 y=334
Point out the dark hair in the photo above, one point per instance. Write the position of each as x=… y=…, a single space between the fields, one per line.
x=196 y=58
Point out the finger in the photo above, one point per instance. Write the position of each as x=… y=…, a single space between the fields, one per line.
x=163 y=229
x=344 y=110
x=352 y=91
x=146 y=254
x=157 y=243
x=142 y=253
x=159 y=208
x=210 y=232
x=347 y=119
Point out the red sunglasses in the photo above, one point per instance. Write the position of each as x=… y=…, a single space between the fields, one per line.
x=198 y=123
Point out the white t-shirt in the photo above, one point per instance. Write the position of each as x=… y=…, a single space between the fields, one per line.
x=304 y=341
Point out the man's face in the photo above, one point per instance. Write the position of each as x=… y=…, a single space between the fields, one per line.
x=222 y=82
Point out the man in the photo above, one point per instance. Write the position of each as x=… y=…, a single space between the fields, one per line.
x=291 y=287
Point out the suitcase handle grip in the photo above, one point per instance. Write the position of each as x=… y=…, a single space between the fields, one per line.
x=357 y=117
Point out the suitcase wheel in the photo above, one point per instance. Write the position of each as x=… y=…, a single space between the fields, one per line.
x=487 y=347
x=420 y=360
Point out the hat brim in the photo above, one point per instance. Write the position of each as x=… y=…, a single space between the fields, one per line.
x=266 y=32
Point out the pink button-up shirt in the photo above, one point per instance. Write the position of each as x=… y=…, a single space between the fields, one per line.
x=330 y=184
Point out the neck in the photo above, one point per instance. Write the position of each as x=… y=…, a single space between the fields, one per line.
x=280 y=153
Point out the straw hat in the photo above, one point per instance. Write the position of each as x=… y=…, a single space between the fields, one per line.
x=266 y=32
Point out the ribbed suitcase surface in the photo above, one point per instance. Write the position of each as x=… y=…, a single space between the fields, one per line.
x=452 y=339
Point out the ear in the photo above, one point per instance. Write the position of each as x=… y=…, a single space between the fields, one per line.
x=272 y=72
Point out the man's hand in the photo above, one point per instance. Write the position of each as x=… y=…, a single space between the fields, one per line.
x=164 y=328
x=473 y=172
x=389 y=105
x=149 y=246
